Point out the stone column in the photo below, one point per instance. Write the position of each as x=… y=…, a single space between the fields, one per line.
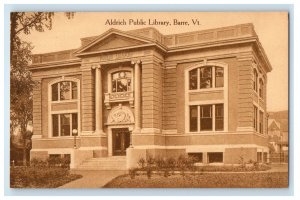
x=137 y=96
x=98 y=99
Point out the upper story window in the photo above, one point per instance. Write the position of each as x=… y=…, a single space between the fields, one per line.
x=64 y=90
x=261 y=88
x=121 y=81
x=206 y=77
x=255 y=80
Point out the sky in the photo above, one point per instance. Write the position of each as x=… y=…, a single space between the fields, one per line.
x=271 y=28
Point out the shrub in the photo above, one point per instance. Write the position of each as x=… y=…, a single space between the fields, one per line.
x=171 y=164
x=132 y=172
x=38 y=163
x=150 y=160
x=149 y=172
x=142 y=163
x=37 y=176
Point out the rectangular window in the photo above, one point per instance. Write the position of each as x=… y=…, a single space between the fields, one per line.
x=219 y=74
x=55 y=126
x=206 y=118
x=193 y=118
x=205 y=77
x=259 y=157
x=255 y=118
x=193 y=79
x=219 y=117
x=215 y=157
x=197 y=156
x=65 y=125
x=261 y=122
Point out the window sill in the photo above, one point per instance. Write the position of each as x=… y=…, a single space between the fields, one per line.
x=206 y=90
x=65 y=101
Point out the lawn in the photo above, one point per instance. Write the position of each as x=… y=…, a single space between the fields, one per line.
x=40 y=177
x=205 y=180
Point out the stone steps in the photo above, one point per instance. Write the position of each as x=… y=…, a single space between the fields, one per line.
x=104 y=163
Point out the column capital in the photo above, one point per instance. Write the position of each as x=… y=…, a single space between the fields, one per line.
x=95 y=66
x=134 y=62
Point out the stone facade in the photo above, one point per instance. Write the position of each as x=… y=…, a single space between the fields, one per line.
x=131 y=94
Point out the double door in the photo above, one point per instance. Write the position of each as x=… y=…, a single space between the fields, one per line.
x=120 y=140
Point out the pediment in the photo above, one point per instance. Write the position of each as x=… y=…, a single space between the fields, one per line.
x=111 y=41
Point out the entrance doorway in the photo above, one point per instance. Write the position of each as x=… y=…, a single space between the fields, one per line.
x=120 y=141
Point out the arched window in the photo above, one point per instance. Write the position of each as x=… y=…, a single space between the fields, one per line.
x=121 y=81
x=261 y=88
x=64 y=90
x=255 y=80
x=206 y=77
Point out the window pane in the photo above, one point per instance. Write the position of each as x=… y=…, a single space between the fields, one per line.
x=114 y=86
x=65 y=124
x=54 y=125
x=55 y=92
x=261 y=119
x=261 y=85
x=74 y=121
x=193 y=79
x=197 y=156
x=219 y=77
x=115 y=76
x=215 y=157
x=122 y=85
x=205 y=77
x=206 y=118
x=193 y=118
x=74 y=90
x=255 y=80
x=65 y=93
x=255 y=118
x=219 y=114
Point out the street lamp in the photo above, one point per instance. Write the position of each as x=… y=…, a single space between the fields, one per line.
x=75 y=133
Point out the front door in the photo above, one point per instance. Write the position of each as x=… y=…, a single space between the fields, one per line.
x=121 y=141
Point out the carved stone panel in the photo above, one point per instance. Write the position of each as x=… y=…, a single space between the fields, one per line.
x=120 y=115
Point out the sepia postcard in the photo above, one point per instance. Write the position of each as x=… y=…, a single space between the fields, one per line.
x=149 y=100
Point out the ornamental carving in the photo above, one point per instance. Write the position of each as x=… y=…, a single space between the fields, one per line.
x=120 y=115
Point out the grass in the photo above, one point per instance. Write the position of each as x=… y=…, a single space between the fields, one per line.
x=205 y=180
x=40 y=177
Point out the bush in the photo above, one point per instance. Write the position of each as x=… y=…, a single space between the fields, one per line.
x=132 y=172
x=142 y=163
x=149 y=172
x=37 y=176
x=38 y=163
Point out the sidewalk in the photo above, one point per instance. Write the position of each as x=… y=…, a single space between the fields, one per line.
x=92 y=178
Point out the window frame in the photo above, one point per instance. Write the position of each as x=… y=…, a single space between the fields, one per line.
x=189 y=92
x=213 y=78
x=59 y=91
x=131 y=80
x=114 y=70
x=59 y=124
x=199 y=118
x=63 y=110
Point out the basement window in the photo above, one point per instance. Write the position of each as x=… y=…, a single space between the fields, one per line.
x=197 y=156
x=215 y=157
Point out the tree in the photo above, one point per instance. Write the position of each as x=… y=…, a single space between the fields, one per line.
x=21 y=83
